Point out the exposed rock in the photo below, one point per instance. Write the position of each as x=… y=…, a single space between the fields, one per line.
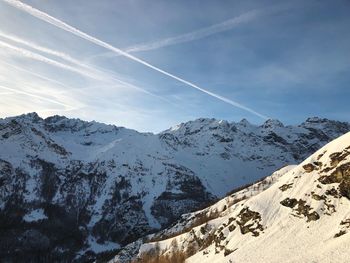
x=340 y=175
x=345 y=225
x=318 y=197
x=339 y=156
x=301 y=208
x=312 y=166
x=289 y=202
x=285 y=187
x=244 y=217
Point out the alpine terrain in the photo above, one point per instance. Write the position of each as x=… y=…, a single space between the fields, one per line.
x=70 y=189
x=298 y=214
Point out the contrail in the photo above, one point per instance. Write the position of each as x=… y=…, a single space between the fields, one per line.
x=64 y=26
x=11 y=90
x=102 y=74
x=49 y=51
x=194 y=35
x=36 y=74
x=38 y=57
x=198 y=34
x=41 y=48
x=56 y=53
x=99 y=75
x=35 y=96
x=207 y=31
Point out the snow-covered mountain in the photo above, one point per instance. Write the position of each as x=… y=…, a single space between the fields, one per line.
x=298 y=214
x=71 y=187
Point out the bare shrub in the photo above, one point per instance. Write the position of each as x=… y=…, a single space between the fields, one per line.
x=155 y=255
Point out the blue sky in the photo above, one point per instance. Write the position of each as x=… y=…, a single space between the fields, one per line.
x=286 y=60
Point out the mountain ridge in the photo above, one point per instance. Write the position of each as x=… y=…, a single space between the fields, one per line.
x=113 y=184
x=33 y=116
x=300 y=213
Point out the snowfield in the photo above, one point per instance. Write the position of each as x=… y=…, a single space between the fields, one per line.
x=301 y=215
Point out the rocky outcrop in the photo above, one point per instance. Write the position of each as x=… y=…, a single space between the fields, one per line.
x=78 y=187
x=304 y=208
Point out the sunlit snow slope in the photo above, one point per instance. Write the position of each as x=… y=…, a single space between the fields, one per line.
x=299 y=214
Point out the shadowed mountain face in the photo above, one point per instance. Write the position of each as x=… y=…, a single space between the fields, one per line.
x=69 y=186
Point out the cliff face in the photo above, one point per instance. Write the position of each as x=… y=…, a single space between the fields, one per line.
x=69 y=186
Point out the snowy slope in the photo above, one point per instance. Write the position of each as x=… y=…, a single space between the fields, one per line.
x=113 y=185
x=304 y=216
x=215 y=147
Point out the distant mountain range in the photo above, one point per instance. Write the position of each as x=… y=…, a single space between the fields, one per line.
x=70 y=189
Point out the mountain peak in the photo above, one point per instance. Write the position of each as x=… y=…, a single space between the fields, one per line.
x=31 y=116
x=316 y=120
x=244 y=122
x=272 y=123
x=55 y=118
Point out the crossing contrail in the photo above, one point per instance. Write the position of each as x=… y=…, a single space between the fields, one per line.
x=192 y=36
x=198 y=34
x=206 y=31
x=64 y=26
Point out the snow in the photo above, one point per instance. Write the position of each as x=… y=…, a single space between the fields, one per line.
x=221 y=154
x=289 y=239
x=220 y=165
x=286 y=236
x=35 y=215
x=97 y=248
